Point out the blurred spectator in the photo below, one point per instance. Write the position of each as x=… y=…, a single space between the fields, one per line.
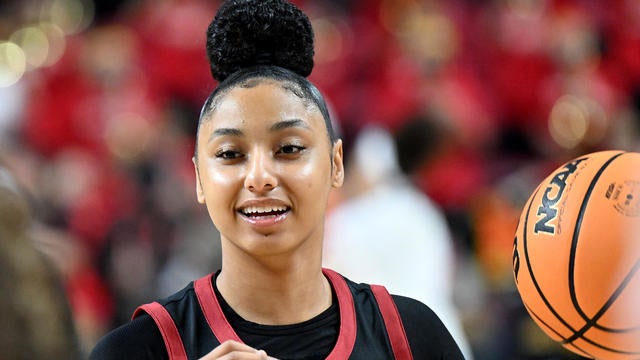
x=387 y=232
x=35 y=319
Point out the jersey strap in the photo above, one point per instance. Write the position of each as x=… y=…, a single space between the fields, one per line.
x=223 y=331
x=212 y=310
x=167 y=327
x=347 y=334
x=393 y=323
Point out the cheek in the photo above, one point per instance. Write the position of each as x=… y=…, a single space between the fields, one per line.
x=219 y=182
x=218 y=177
x=312 y=176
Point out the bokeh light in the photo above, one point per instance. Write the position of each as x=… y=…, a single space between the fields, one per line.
x=57 y=42
x=568 y=122
x=430 y=36
x=34 y=44
x=577 y=121
x=127 y=136
x=72 y=16
x=13 y=63
x=329 y=40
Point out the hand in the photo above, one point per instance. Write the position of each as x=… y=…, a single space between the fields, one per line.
x=233 y=350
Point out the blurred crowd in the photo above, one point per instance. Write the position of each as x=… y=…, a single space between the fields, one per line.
x=99 y=103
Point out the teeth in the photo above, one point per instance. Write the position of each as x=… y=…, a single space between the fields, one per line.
x=262 y=210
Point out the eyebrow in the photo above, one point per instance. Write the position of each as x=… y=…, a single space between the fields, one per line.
x=284 y=124
x=280 y=125
x=224 y=132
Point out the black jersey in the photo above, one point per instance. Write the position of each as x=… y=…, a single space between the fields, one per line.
x=364 y=323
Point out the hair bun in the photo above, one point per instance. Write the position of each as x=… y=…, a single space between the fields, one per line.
x=246 y=33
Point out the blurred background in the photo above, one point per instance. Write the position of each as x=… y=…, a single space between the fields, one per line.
x=99 y=103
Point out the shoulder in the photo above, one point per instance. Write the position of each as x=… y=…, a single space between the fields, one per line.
x=427 y=335
x=181 y=300
x=137 y=339
x=140 y=338
x=409 y=307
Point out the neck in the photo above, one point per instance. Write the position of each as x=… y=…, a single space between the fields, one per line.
x=292 y=292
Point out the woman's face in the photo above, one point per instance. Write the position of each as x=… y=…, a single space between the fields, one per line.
x=265 y=168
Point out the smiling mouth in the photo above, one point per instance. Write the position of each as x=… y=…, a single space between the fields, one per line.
x=258 y=213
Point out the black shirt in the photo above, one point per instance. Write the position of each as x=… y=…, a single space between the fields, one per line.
x=312 y=339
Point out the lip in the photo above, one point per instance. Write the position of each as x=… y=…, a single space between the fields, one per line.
x=264 y=220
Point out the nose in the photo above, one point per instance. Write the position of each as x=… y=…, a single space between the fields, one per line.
x=260 y=173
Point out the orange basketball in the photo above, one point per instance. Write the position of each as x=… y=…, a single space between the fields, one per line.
x=576 y=257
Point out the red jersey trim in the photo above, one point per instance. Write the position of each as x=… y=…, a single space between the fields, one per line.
x=393 y=323
x=210 y=306
x=348 y=327
x=167 y=327
x=223 y=331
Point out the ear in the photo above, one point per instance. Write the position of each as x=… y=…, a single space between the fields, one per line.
x=199 y=192
x=337 y=171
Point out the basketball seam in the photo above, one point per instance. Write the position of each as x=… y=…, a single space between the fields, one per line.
x=603 y=309
x=554 y=330
x=576 y=234
x=590 y=322
x=530 y=269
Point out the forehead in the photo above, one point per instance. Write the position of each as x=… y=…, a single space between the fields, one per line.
x=263 y=101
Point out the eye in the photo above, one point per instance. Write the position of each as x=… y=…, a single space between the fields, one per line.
x=290 y=149
x=228 y=154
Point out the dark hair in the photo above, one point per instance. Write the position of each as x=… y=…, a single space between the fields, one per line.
x=250 y=41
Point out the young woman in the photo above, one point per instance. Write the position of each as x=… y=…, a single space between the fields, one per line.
x=266 y=160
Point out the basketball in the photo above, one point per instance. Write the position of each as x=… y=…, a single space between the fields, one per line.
x=576 y=256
